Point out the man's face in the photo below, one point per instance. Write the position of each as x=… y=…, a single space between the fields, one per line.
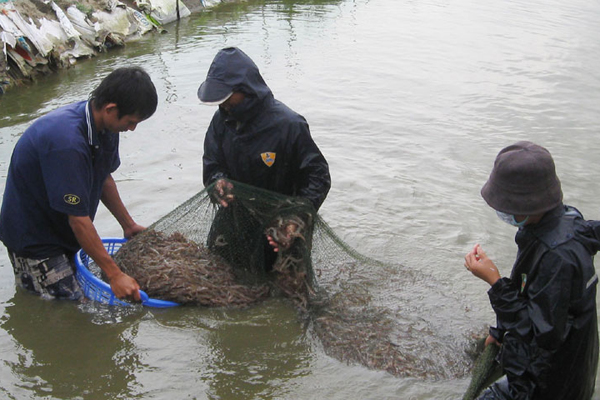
x=126 y=123
x=114 y=124
x=233 y=100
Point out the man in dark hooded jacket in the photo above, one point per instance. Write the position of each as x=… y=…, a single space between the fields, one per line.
x=255 y=139
x=546 y=311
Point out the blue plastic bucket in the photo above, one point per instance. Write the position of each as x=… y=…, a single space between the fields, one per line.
x=96 y=289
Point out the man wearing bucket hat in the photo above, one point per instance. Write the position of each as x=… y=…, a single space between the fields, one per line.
x=255 y=139
x=546 y=321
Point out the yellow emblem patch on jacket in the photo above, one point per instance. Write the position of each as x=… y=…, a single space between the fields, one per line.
x=268 y=158
x=71 y=199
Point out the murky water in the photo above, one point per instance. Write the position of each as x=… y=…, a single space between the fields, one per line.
x=409 y=101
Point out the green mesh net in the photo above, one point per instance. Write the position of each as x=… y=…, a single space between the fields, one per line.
x=205 y=254
x=485 y=372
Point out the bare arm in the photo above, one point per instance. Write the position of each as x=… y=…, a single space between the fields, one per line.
x=112 y=200
x=122 y=285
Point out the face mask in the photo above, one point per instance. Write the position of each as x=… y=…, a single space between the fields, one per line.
x=510 y=219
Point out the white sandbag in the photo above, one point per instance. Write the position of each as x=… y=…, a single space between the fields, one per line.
x=210 y=3
x=164 y=11
x=141 y=22
x=80 y=50
x=29 y=30
x=65 y=23
x=28 y=43
x=86 y=29
x=7 y=38
x=116 y=22
x=8 y=26
x=53 y=31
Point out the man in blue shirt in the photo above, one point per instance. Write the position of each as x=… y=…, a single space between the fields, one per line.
x=59 y=172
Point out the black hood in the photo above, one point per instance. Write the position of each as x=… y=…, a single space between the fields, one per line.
x=232 y=71
x=564 y=223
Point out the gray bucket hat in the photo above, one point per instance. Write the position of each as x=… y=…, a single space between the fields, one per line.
x=523 y=181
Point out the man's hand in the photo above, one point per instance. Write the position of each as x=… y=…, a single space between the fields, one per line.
x=492 y=340
x=133 y=230
x=282 y=238
x=125 y=287
x=478 y=263
x=222 y=192
x=122 y=285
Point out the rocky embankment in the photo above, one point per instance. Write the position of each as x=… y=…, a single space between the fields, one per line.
x=38 y=37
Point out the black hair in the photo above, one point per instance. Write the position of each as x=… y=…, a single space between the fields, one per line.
x=131 y=89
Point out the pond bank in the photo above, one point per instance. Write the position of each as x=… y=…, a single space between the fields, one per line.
x=39 y=37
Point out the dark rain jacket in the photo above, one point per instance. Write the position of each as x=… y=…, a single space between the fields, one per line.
x=546 y=310
x=262 y=142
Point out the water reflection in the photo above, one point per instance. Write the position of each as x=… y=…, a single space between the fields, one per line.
x=253 y=351
x=59 y=351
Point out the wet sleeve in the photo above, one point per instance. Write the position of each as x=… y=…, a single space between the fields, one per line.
x=506 y=302
x=213 y=160
x=314 y=180
x=536 y=322
x=67 y=178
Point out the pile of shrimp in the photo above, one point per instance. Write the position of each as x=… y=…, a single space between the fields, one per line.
x=176 y=269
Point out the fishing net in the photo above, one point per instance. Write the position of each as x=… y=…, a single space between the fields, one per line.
x=360 y=310
x=485 y=371
x=205 y=254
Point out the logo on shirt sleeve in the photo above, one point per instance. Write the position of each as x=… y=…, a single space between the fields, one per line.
x=71 y=199
x=268 y=158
